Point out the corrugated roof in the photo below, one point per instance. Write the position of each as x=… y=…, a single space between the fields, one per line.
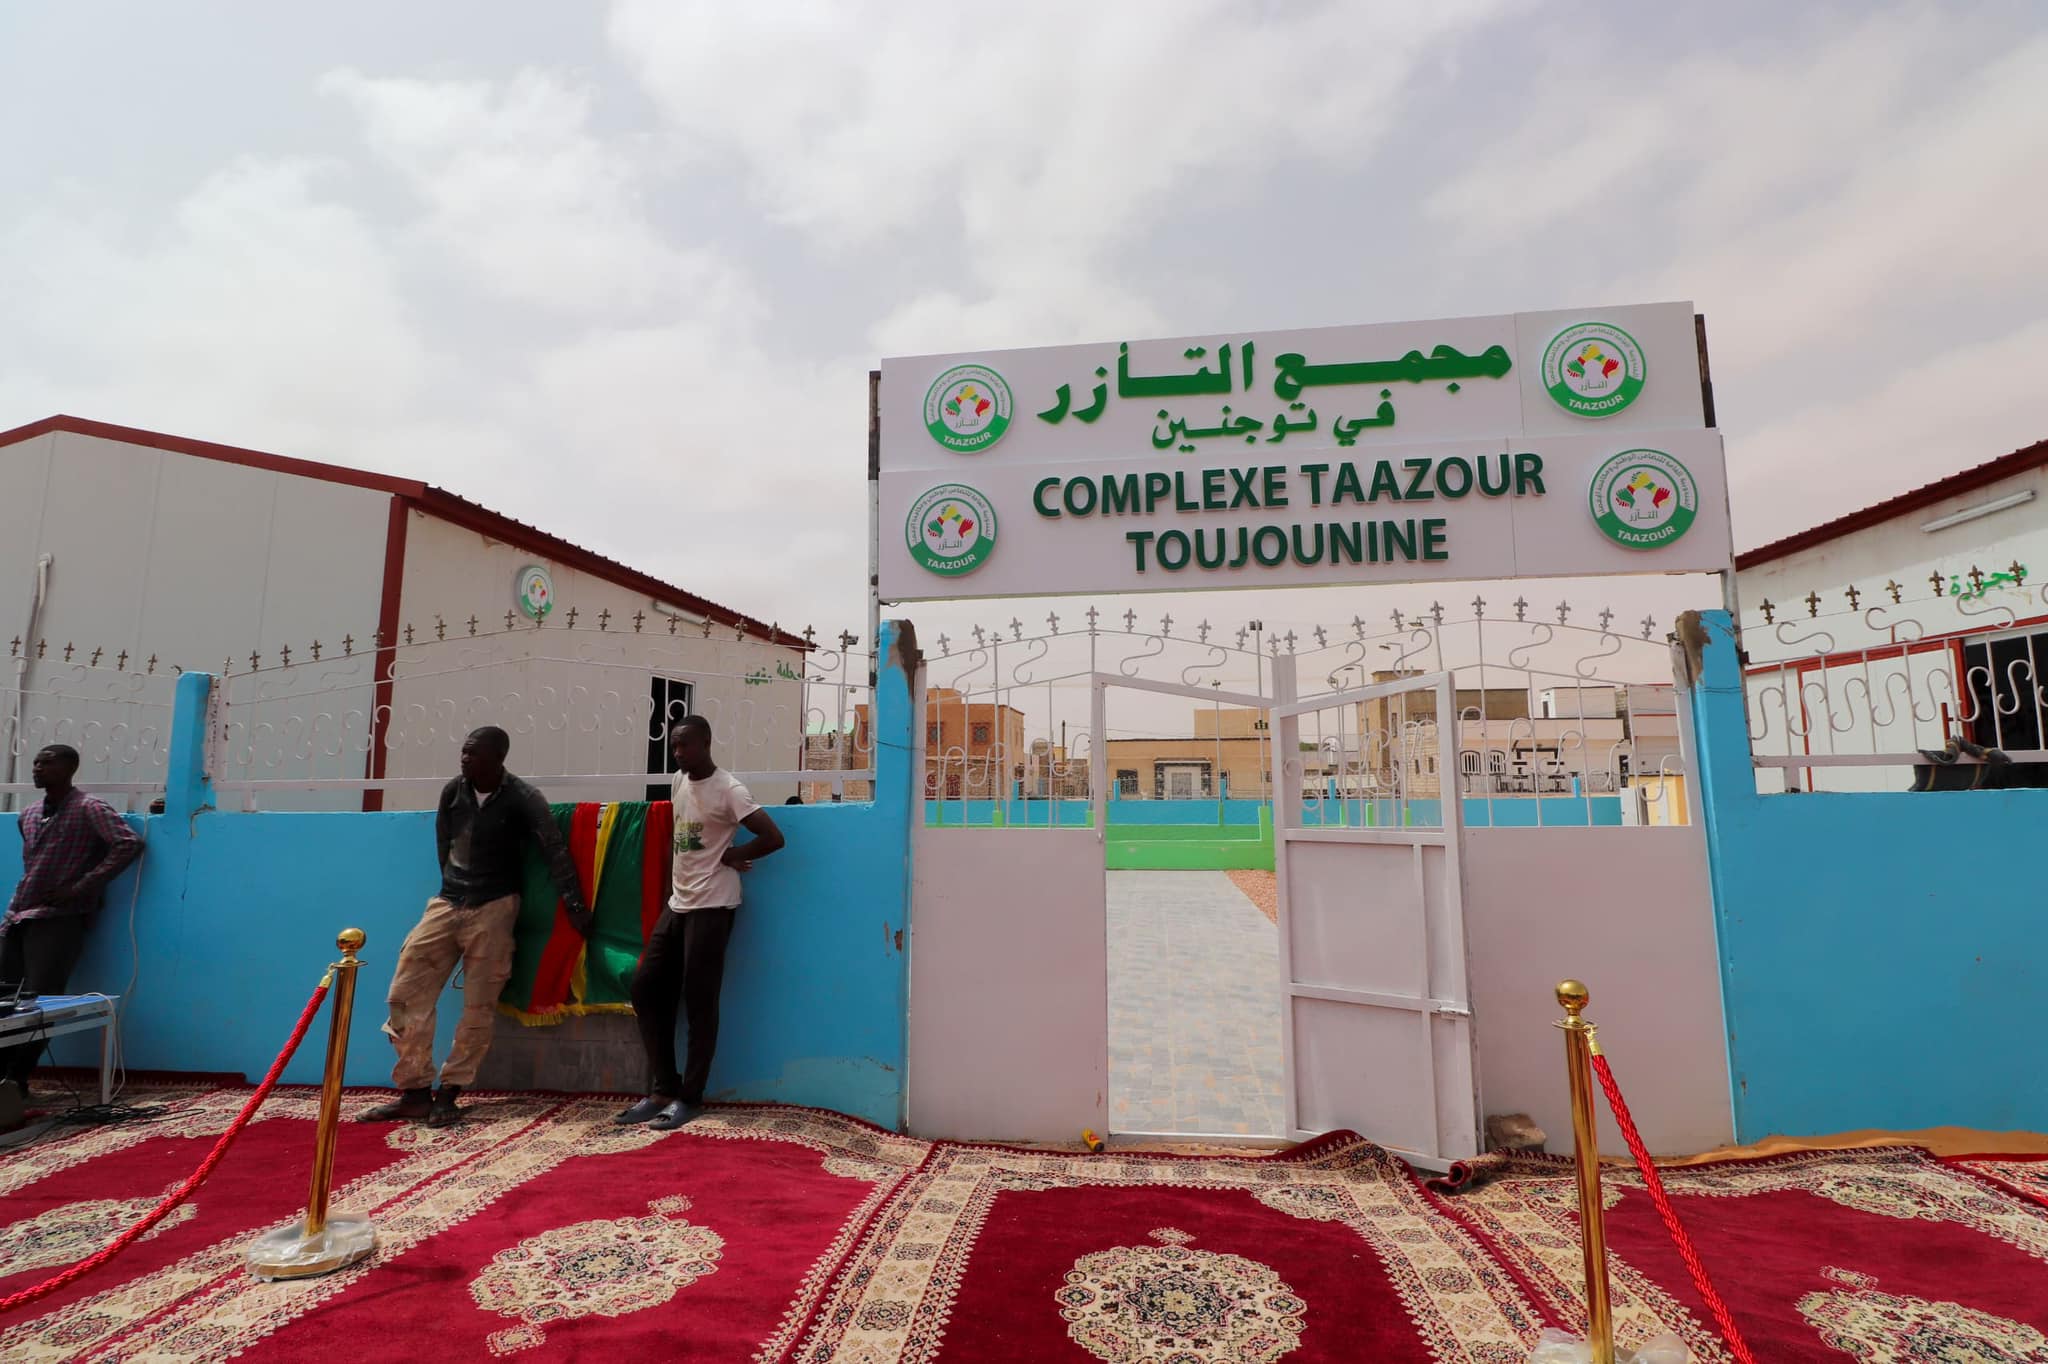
x=2005 y=466
x=438 y=501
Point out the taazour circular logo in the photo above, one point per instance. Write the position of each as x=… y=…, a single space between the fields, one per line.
x=968 y=408
x=534 y=589
x=1643 y=499
x=1593 y=369
x=951 y=530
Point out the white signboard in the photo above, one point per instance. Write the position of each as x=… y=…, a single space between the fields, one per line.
x=1567 y=444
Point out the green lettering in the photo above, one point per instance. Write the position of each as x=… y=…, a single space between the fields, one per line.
x=1157 y=485
x=1384 y=483
x=1418 y=470
x=1119 y=495
x=1276 y=485
x=1398 y=535
x=1345 y=542
x=1278 y=555
x=1445 y=468
x=1176 y=541
x=1212 y=490
x=1433 y=539
x=1084 y=506
x=1528 y=474
x=1180 y=493
x=1487 y=485
x=1312 y=556
x=1139 y=538
x=1348 y=485
x=1246 y=494
x=1315 y=474
x=1038 y=497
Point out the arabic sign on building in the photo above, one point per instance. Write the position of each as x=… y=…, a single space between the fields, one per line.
x=1539 y=445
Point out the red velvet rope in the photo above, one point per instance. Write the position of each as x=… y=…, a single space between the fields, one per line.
x=178 y=1195
x=1686 y=1251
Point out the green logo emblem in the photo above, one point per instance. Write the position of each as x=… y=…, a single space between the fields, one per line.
x=1593 y=370
x=533 y=587
x=1643 y=499
x=951 y=530
x=968 y=408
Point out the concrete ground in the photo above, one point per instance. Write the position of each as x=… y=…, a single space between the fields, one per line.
x=1194 y=1007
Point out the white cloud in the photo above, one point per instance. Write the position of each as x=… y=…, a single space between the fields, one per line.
x=1042 y=142
x=259 y=308
x=522 y=197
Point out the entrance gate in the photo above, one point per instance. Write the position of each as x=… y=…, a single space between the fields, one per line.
x=1377 y=1027
x=1098 y=785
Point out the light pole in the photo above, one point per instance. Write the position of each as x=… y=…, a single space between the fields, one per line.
x=1258 y=629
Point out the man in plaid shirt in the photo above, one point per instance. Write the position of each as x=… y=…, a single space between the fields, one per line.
x=71 y=846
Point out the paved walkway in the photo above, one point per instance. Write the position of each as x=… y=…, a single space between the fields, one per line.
x=1194 y=1006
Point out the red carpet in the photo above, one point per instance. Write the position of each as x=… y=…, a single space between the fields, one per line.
x=2026 y=1176
x=536 y=1229
x=1831 y=1256
x=1329 y=1253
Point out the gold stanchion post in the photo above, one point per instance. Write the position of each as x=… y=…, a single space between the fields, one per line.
x=323 y=1244
x=1580 y=1046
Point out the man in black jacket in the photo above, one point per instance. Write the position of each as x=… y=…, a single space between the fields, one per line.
x=486 y=819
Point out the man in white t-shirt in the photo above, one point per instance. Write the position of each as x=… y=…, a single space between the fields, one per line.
x=684 y=960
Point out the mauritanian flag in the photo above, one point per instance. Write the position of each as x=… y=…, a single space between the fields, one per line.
x=621 y=853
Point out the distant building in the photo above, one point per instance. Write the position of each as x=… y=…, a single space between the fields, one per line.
x=1592 y=739
x=1226 y=753
x=973 y=750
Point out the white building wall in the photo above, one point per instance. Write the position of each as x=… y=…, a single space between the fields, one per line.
x=1857 y=704
x=192 y=560
x=576 y=701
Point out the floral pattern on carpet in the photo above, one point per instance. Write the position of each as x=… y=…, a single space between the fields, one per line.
x=1797 y=1244
x=1865 y=1324
x=64 y=1235
x=1134 y=1304
x=949 y=1270
x=610 y=1267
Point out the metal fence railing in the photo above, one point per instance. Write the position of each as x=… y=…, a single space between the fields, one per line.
x=117 y=719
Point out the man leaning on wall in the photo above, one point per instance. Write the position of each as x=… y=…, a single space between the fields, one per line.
x=72 y=844
x=486 y=820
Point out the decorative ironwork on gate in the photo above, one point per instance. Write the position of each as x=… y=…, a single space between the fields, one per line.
x=1546 y=709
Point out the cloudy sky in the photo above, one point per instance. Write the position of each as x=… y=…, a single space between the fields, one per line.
x=621 y=271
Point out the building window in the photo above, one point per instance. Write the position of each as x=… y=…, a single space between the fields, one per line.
x=1180 y=780
x=931 y=735
x=2003 y=708
x=981 y=734
x=1468 y=763
x=1126 y=782
x=1496 y=763
x=669 y=701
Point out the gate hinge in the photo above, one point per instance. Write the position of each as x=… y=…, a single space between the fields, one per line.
x=1452 y=1011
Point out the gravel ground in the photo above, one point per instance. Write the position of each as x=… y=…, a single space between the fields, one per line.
x=1262 y=888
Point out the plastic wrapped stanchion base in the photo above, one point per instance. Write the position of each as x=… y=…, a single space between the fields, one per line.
x=1558 y=1347
x=288 y=1253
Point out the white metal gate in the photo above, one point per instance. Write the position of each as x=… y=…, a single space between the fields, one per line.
x=1368 y=846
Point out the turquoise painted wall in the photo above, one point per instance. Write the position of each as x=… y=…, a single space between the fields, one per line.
x=238 y=912
x=1884 y=955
